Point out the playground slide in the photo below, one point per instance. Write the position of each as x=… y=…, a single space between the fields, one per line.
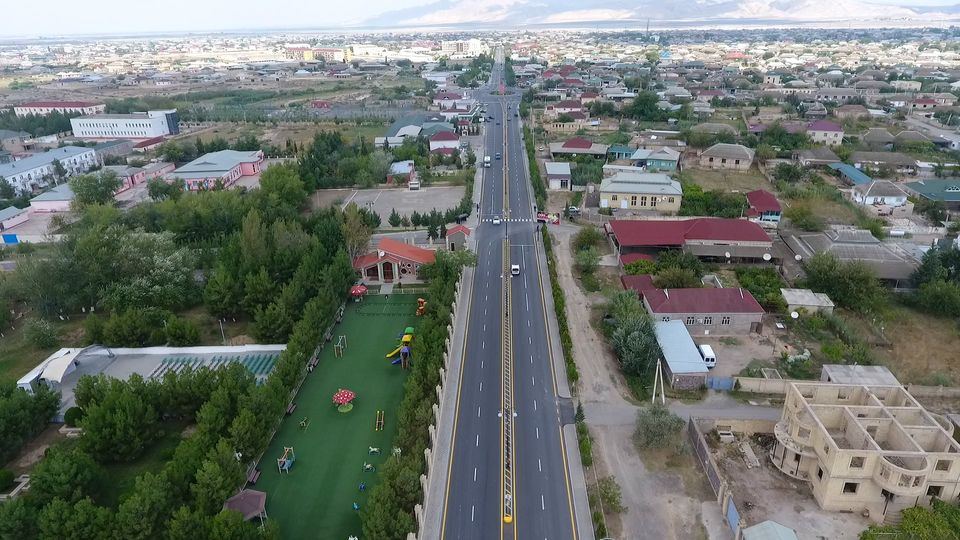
x=394 y=352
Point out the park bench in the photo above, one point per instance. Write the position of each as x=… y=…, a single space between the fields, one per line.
x=291 y=408
x=254 y=476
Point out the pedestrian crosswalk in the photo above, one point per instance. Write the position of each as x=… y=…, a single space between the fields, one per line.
x=508 y=220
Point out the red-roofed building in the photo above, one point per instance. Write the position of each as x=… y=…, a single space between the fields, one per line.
x=43 y=108
x=444 y=139
x=392 y=261
x=148 y=144
x=712 y=238
x=563 y=107
x=825 y=132
x=628 y=258
x=457 y=237
x=706 y=311
x=638 y=283
x=764 y=206
x=321 y=104
x=578 y=146
x=924 y=103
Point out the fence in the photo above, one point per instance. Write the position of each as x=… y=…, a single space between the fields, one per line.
x=720 y=489
x=917 y=390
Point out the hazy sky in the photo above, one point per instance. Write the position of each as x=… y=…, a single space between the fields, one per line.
x=60 y=17
x=54 y=17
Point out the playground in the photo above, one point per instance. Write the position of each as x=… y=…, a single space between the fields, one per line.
x=323 y=461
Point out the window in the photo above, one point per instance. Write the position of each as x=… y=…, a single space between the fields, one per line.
x=943 y=465
x=613 y=197
x=670 y=200
x=723 y=160
x=736 y=162
x=653 y=201
x=850 y=487
x=633 y=200
x=934 y=491
x=819 y=473
x=691 y=320
x=711 y=160
x=708 y=320
x=856 y=462
x=826 y=449
x=665 y=319
x=725 y=320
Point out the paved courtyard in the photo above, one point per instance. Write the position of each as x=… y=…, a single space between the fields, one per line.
x=384 y=200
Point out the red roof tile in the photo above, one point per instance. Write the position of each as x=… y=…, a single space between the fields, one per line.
x=397 y=249
x=638 y=233
x=763 y=201
x=578 y=142
x=640 y=283
x=704 y=300
x=458 y=228
x=445 y=136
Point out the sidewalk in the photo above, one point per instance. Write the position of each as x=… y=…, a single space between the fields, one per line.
x=435 y=495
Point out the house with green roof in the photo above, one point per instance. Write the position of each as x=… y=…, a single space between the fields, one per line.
x=945 y=190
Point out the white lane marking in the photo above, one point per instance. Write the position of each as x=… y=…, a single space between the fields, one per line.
x=478 y=411
x=527 y=300
x=542 y=505
x=484 y=327
x=483 y=344
x=484 y=298
x=481 y=386
x=533 y=381
x=530 y=340
x=478 y=436
x=528 y=323
x=534 y=404
x=481 y=364
x=539 y=467
x=474 y=474
x=538 y=435
x=485 y=313
x=472 y=508
x=531 y=358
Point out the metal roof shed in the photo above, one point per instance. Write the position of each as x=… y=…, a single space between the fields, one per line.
x=686 y=367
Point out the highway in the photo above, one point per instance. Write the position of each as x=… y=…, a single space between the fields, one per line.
x=508 y=477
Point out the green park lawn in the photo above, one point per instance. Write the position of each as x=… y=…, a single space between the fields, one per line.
x=315 y=499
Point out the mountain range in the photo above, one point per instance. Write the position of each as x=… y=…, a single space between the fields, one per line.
x=520 y=13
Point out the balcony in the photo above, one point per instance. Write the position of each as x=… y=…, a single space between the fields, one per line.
x=903 y=475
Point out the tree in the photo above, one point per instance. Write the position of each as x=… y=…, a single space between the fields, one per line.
x=587 y=260
x=40 y=333
x=223 y=294
x=939 y=522
x=765 y=152
x=181 y=332
x=188 y=524
x=79 y=521
x=802 y=217
x=95 y=188
x=657 y=427
x=59 y=171
x=787 y=172
x=676 y=278
x=161 y=190
x=121 y=425
x=65 y=473
x=273 y=324
x=356 y=232
x=394 y=220
x=7 y=191
x=639 y=267
x=283 y=182
x=610 y=495
x=259 y=290
x=217 y=479
x=635 y=343
x=144 y=512
x=850 y=284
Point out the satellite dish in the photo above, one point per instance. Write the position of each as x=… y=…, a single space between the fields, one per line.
x=794 y=315
x=727 y=254
x=797 y=257
x=767 y=257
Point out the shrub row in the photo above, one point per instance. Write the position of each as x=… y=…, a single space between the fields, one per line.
x=539 y=190
x=559 y=305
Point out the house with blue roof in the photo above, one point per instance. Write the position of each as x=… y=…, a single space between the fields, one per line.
x=851 y=174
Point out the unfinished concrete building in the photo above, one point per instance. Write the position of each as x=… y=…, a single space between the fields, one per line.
x=866 y=449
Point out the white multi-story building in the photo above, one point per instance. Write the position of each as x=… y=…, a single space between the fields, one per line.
x=136 y=126
x=463 y=48
x=43 y=108
x=37 y=170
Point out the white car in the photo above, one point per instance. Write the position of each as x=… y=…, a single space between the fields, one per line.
x=515 y=269
x=496 y=220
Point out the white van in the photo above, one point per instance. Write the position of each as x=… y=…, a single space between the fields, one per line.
x=709 y=358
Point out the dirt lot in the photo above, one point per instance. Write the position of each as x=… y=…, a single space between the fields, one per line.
x=931 y=359
x=33 y=451
x=765 y=493
x=742 y=181
x=734 y=353
x=384 y=200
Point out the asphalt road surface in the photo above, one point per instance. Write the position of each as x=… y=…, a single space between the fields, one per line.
x=474 y=505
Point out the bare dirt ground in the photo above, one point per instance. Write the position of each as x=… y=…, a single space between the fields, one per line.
x=763 y=493
x=723 y=180
x=33 y=451
x=384 y=200
x=662 y=503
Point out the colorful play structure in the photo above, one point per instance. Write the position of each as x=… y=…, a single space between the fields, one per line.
x=402 y=352
x=339 y=347
x=378 y=425
x=285 y=462
x=421 y=307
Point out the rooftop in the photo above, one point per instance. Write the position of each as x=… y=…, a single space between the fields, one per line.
x=557 y=167
x=40 y=160
x=729 y=151
x=857 y=374
x=679 y=350
x=641 y=183
x=59 y=193
x=218 y=162
x=639 y=233
x=763 y=201
x=852 y=173
x=702 y=300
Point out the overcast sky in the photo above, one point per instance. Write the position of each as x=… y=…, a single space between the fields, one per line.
x=67 y=17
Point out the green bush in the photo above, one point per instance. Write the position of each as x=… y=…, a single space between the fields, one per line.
x=6 y=480
x=640 y=267
x=40 y=333
x=73 y=416
x=764 y=284
x=586 y=238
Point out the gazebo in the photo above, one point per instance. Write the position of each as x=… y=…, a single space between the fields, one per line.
x=250 y=503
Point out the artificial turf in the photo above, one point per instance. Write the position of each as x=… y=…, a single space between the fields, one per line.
x=315 y=499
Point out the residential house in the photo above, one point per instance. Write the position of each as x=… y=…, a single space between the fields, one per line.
x=57 y=199
x=392 y=261
x=221 y=168
x=825 y=132
x=818 y=155
x=578 y=146
x=889 y=262
x=641 y=191
x=618 y=152
x=711 y=238
x=851 y=112
x=878 y=139
x=870 y=449
x=116 y=148
x=850 y=174
x=727 y=156
x=12 y=216
x=882 y=196
x=901 y=163
x=684 y=367
x=13 y=141
x=706 y=311
x=764 y=206
x=457 y=237
x=946 y=191
x=663 y=159
x=553 y=110
x=806 y=301
x=558 y=175
x=445 y=140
